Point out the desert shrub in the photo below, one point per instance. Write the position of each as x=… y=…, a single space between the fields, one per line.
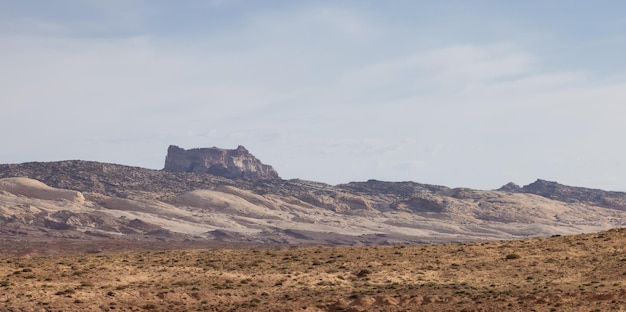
x=65 y=292
x=364 y=273
x=512 y=256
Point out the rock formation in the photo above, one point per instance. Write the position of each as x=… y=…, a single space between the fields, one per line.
x=571 y=194
x=90 y=200
x=237 y=163
x=511 y=187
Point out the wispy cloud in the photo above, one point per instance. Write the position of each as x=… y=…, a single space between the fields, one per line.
x=350 y=92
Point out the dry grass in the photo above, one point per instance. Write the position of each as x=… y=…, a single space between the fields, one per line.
x=567 y=273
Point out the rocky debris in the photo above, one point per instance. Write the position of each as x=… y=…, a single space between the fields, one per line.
x=232 y=164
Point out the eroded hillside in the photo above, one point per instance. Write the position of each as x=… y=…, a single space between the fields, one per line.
x=89 y=200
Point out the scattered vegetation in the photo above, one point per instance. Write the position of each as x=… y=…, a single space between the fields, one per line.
x=512 y=256
x=554 y=274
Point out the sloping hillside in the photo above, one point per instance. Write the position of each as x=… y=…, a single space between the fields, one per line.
x=88 y=200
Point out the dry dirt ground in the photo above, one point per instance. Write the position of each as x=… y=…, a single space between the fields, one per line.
x=565 y=273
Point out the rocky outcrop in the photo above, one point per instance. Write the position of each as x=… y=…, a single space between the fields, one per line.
x=232 y=164
x=510 y=187
x=565 y=193
x=570 y=194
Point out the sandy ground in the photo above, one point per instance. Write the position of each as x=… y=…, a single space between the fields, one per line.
x=565 y=273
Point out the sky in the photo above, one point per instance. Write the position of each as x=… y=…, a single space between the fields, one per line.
x=457 y=93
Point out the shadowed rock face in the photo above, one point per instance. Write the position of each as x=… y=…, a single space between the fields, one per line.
x=232 y=164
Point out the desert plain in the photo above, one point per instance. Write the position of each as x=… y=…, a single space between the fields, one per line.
x=585 y=272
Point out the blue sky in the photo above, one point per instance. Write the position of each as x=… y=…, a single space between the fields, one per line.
x=458 y=93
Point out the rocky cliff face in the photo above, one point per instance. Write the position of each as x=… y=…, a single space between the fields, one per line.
x=232 y=164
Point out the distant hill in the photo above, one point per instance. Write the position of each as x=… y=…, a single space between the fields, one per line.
x=122 y=202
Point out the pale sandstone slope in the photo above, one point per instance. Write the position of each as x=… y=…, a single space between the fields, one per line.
x=36 y=189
